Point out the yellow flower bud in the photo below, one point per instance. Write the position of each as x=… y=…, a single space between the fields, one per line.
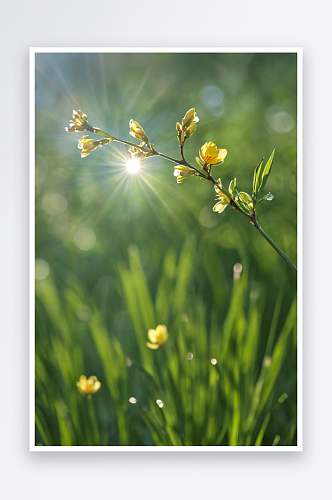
x=87 y=145
x=190 y=130
x=190 y=118
x=137 y=131
x=157 y=337
x=182 y=173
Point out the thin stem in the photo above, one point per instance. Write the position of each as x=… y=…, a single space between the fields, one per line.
x=181 y=149
x=115 y=139
x=273 y=245
x=181 y=162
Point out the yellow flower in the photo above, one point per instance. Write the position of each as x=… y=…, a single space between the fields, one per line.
x=158 y=337
x=181 y=173
x=88 y=386
x=211 y=155
x=137 y=131
x=87 y=145
x=224 y=200
x=79 y=123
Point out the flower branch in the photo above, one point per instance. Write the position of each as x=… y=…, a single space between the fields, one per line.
x=209 y=156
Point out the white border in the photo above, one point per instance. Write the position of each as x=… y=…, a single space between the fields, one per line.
x=299 y=51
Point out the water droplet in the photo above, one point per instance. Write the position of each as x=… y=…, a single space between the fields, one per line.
x=237 y=268
x=213 y=361
x=160 y=403
x=132 y=401
x=189 y=356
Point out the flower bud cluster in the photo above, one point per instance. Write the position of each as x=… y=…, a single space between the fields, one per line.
x=80 y=123
x=187 y=128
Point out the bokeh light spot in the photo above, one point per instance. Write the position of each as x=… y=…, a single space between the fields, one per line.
x=85 y=239
x=128 y=362
x=207 y=217
x=277 y=121
x=54 y=203
x=213 y=99
x=42 y=269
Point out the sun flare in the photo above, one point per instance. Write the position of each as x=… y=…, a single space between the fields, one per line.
x=133 y=165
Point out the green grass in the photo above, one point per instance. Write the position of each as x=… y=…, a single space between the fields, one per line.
x=239 y=401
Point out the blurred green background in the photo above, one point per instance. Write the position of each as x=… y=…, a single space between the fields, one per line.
x=118 y=254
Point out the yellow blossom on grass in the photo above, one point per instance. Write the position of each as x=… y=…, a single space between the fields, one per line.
x=211 y=155
x=182 y=173
x=88 y=386
x=79 y=123
x=87 y=145
x=137 y=131
x=157 y=337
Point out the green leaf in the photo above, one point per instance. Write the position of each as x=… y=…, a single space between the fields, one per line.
x=246 y=199
x=261 y=175
x=267 y=170
x=257 y=179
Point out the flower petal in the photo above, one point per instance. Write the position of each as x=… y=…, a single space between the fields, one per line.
x=96 y=386
x=80 y=390
x=190 y=118
x=231 y=187
x=219 y=207
x=152 y=346
x=161 y=334
x=222 y=153
x=152 y=334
